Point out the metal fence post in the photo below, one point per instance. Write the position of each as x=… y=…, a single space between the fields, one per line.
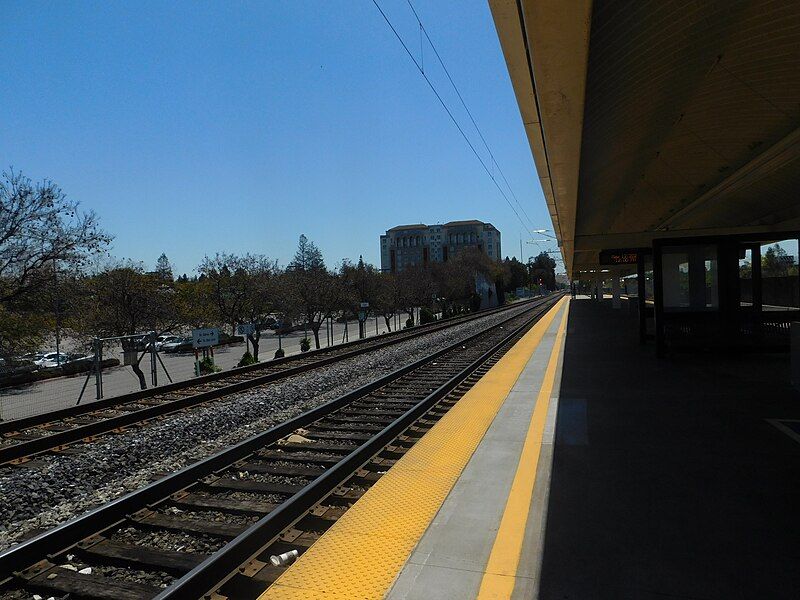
x=153 y=365
x=98 y=381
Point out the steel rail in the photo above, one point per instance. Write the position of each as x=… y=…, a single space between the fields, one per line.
x=13 y=425
x=260 y=535
x=60 y=439
x=61 y=538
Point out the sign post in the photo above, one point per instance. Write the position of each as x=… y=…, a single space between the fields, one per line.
x=204 y=338
x=362 y=319
x=245 y=330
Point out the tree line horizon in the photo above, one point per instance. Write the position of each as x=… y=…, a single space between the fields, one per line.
x=51 y=278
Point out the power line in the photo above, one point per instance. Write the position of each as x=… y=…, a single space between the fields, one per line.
x=450 y=114
x=466 y=108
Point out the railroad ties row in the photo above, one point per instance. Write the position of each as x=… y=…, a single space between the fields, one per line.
x=169 y=546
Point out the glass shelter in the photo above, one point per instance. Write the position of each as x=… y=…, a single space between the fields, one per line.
x=735 y=293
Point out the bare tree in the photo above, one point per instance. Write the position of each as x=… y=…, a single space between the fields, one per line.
x=41 y=232
x=415 y=288
x=261 y=299
x=387 y=298
x=225 y=279
x=241 y=289
x=124 y=300
x=38 y=226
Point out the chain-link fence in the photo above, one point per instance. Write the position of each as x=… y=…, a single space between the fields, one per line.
x=55 y=388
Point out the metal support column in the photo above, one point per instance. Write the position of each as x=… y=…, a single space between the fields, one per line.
x=658 y=296
x=641 y=299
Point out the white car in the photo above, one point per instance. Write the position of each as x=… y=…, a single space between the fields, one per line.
x=165 y=339
x=51 y=359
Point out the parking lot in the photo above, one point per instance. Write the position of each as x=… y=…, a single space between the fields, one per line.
x=59 y=392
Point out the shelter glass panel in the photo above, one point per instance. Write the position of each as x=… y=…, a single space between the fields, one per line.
x=690 y=278
x=780 y=281
x=745 y=277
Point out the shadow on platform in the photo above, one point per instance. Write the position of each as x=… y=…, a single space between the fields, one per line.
x=668 y=482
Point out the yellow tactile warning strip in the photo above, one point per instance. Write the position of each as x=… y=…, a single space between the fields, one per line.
x=362 y=554
x=499 y=577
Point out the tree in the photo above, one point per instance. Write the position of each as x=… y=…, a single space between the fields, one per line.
x=307 y=258
x=123 y=300
x=260 y=276
x=164 y=268
x=38 y=226
x=775 y=262
x=387 y=298
x=225 y=282
x=363 y=281
x=41 y=232
x=192 y=304
x=313 y=292
x=241 y=289
x=542 y=270
x=415 y=287
x=515 y=275
x=456 y=280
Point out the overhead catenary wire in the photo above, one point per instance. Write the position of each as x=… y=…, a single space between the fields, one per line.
x=450 y=114
x=466 y=108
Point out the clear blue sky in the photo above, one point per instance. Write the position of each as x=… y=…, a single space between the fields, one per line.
x=192 y=128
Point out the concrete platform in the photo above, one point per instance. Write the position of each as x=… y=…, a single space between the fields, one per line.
x=668 y=480
x=588 y=469
x=430 y=525
x=460 y=554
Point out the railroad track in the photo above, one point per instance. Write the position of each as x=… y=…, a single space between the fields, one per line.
x=210 y=529
x=59 y=431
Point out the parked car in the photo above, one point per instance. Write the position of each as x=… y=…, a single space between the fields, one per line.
x=165 y=339
x=178 y=345
x=52 y=359
x=286 y=326
x=142 y=343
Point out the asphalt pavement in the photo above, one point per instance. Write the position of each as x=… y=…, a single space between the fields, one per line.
x=60 y=392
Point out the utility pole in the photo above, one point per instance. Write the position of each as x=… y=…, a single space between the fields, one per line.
x=57 y=309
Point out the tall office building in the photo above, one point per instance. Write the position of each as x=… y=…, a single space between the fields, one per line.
x=411 y=245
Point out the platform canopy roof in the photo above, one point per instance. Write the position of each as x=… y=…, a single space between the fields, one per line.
x=664 y=118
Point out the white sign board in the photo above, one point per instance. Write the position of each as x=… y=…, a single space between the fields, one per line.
x=203 y=338
x=364 y=305
x=246 y=329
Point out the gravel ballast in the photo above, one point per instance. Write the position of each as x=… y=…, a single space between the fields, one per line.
x=65 y=486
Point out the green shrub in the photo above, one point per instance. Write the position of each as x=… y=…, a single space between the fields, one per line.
x=305 y=345
x=247 y=359
x=475 y=303
x=207 y=366
x=426 y=316
x=279 y=353
x=409 y=323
